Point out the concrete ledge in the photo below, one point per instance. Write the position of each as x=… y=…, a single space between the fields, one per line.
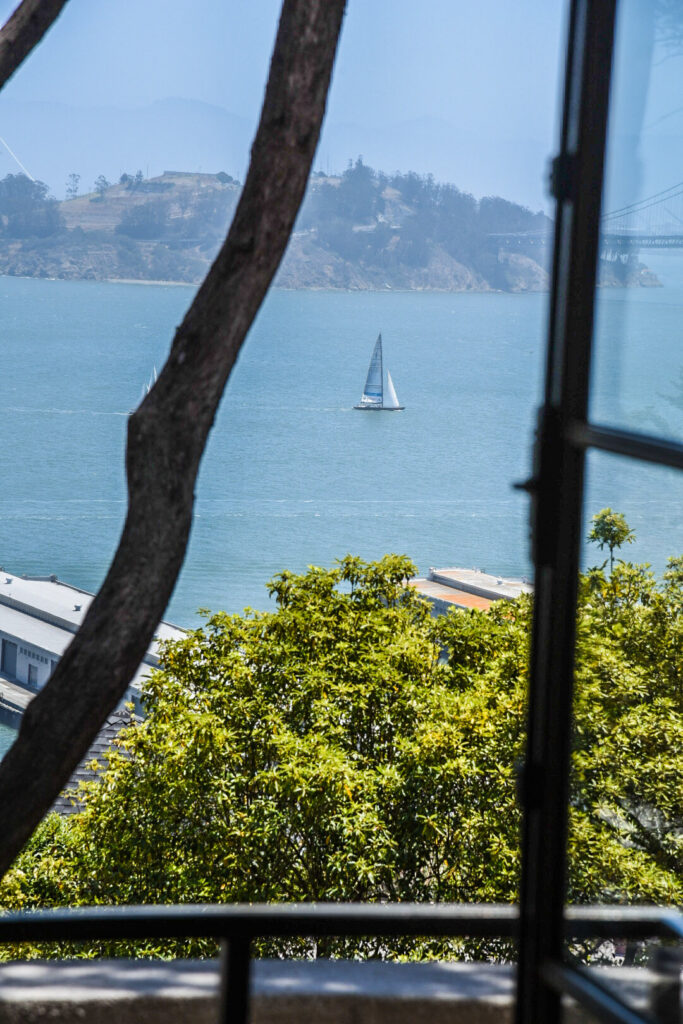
x=284 y=992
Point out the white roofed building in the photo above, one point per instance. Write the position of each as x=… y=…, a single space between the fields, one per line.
x=468 y=588
x=39 y=616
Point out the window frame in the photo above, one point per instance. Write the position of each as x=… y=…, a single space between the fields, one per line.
x=564 y=435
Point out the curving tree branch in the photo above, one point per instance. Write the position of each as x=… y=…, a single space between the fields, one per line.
x=23 y=30
x=167 y=434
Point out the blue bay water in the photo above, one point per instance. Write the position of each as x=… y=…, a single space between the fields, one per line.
x=293 y=475
x=7 y=737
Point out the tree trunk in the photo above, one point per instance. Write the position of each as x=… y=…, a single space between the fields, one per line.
x=23 y=31
x=167 y=434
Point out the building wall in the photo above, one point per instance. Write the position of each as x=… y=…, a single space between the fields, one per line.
x=31 y=657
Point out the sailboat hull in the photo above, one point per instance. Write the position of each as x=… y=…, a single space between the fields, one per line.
x=380 y=408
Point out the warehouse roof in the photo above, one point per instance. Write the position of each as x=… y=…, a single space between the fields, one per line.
x=46 y=612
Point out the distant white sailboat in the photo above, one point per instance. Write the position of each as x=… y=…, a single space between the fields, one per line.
x=375 y=395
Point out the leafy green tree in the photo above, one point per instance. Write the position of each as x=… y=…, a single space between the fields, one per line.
x=498 y=215
x=101 y=186
x=348 y=746
x=610 y=530
x=72 y=184
x=144 y=221
x=205 y=216
x=26 y=208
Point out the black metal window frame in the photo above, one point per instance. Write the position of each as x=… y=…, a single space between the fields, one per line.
x=564 y=435
x=542 y=923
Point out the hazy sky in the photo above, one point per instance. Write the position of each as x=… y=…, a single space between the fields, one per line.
x=489 y=62
x=489 y=68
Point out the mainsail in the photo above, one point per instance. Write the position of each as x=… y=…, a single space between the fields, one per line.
x=373 y=392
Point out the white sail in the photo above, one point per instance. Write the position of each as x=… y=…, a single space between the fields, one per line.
x=375 y=395
x=373 y=391
x=391 y=399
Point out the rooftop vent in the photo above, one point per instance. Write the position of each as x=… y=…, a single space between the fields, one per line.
x=77 y=607
x=8 y=579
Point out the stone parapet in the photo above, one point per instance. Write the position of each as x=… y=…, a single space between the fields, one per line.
x=283 y=992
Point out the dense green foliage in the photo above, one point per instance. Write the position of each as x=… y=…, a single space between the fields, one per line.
x=148 y=220
x=363 y=228
x=370 y=217
x=348 y=746
x=26 y=208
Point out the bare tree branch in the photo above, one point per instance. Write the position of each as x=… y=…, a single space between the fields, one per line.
x=167 y=434
x=23 y=31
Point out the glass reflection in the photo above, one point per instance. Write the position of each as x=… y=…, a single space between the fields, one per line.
x=638 y=360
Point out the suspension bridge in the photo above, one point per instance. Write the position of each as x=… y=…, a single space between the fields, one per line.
x=652 y=223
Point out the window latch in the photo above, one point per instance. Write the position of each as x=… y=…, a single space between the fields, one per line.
x=563 y=176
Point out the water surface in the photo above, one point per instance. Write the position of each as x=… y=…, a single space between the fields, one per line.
x=293 y=475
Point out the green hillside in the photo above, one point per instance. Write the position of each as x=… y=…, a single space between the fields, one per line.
x=362 y=229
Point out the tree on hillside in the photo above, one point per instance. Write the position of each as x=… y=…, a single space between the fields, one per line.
x=101 y=185
x=457 y=223
x=167 y=434
x=358 y=195
x=72 y=183
x=205 y=215
x=498 y=215
x=326 y=751
x=26 y=208
x=354 y=200
x=144 y=221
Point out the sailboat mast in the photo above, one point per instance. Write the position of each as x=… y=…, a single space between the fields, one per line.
x=381 y=371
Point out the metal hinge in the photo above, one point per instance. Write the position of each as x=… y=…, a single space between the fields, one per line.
x=563 y=177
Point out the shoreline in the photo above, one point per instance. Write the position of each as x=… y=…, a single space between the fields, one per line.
x=654 y=282
x=331 y=290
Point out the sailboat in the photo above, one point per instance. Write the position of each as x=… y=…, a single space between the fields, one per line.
x=375 y=395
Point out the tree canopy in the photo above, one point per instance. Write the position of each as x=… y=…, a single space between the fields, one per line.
x=610 y=530
x=167 y=434
x=26 y=208
x=349 y=746
x=369 y=217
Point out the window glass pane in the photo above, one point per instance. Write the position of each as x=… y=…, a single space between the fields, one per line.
x=627 y=763
x=638 y=360
x=427 y=219
x=437 y=236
